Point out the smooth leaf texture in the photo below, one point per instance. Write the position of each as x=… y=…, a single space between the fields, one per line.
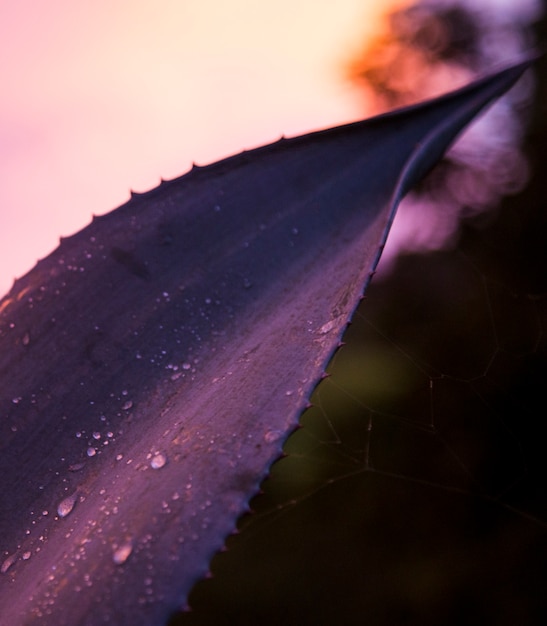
x=153 y=365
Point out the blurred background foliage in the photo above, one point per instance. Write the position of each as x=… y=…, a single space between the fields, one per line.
x=414 y=493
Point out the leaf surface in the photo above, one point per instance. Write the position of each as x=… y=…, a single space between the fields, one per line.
x=152 y=366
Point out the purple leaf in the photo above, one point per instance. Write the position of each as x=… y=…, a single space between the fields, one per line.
x=153 y=365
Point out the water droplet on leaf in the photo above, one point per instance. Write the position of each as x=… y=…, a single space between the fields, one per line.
x=273 y=435
x=158 y=460
x=8 y=563
x=122 y=553
x=65 y=506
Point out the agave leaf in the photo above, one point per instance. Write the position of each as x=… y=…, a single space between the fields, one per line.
x=153 y=365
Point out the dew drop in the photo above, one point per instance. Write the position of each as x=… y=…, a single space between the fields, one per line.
x=273 y=435
x=326 y=328
x=26 y=555
x=8 y=563
x=127 y=405
x=65 y=506
x=122 y=553
x=158 y=460
x=91 y=451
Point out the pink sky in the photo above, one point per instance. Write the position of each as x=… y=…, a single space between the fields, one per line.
x=99 y=98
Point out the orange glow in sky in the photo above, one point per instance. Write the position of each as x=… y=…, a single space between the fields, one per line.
x=102 y=97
